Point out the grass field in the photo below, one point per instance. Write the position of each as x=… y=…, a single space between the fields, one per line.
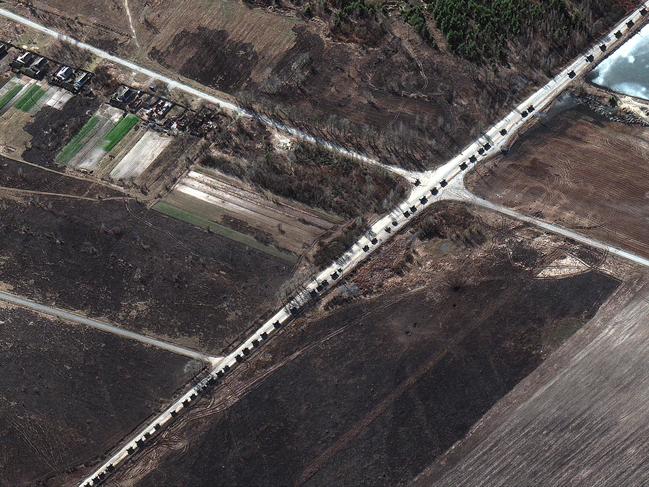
x=29 y=99
x=9 y=95
x=75 y=145
x=180 y=214
x=119 y=131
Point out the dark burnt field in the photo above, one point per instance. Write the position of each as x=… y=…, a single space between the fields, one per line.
x=136 y=267
x=51 y=129
x=372 y=388
x=69 y=393
x=22 y=176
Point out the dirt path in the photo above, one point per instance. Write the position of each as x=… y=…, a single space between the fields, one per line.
x=106 y=327
x=62 y=195
x=130 y=23
x=462 y=194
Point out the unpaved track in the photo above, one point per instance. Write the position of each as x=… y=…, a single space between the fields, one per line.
x=432 y=188
x=221 y=102
x=103 y=326
x=468 y=197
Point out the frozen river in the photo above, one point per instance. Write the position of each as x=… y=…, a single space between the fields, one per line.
x=627 y=70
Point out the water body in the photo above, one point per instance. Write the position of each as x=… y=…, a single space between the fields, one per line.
x=626 y=71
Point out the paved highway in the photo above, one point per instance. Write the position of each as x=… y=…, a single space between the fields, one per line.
x=218 y=101
x=432 y=189
x=103 y=326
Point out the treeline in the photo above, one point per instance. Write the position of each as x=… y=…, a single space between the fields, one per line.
x=319 y=179
x=480 y=30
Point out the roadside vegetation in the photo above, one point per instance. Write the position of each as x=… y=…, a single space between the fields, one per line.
x=317 y=178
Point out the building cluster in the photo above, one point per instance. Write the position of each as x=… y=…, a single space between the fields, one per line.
x=38 y=67
x=159 y=112
x=165 y=115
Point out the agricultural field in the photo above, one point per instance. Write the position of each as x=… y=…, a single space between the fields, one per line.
x=580 y=170
x=52 y=128
x=580 y=419
x=215 y=201
x=138 y=159
x=8 y=93
x=89 y=147
x=413 y=349
x=65 y=399
x=119 y=261
x=21 y=101
x=396 y=80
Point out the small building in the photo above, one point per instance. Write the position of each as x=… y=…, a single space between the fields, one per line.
x=123 y=96
x=37 y=68
x=64 y=74
x=80 y=81
x=25 y=59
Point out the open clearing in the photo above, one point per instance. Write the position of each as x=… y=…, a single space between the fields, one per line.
x=119 y=261
x=227 y=201
x=579 y=171
x=68 y=393
x=581 y=419
x=412 y=350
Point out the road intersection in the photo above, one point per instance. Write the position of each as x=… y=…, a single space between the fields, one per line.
x=431 y=186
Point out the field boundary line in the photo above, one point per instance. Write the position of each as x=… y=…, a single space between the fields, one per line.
x=103 y=326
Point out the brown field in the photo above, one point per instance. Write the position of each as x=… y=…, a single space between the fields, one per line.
x=69 y=393
x=392 y=368
x=580 y=419
x=231 y=202
x=118 y=260
x=580 y=171
x=375 y=85
x=17 y=176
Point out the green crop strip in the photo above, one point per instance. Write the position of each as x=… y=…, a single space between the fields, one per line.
x=9 y=95
x=29 y=99
x=119 y=131
x=75 y=145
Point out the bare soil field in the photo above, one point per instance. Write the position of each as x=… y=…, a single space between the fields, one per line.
x=370 y=81
x=392 y=368
x=580 y=171
x=580 y=419
x=69 y=393
x=118 y=260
